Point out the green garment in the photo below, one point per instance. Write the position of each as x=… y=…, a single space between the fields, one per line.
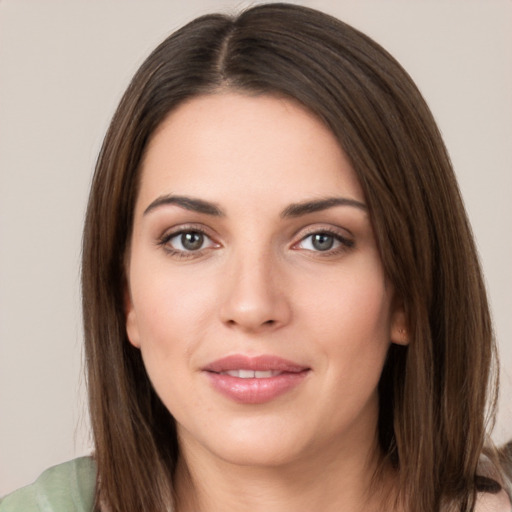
x=68 y=487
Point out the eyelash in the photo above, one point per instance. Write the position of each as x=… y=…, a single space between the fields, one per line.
x=184 y=254
x=344 y=243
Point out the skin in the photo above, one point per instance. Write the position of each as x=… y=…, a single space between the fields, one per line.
x=259 y=285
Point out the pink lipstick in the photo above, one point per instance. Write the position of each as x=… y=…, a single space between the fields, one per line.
x=254 y=380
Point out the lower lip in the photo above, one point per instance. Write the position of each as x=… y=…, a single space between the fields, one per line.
x=256 y=391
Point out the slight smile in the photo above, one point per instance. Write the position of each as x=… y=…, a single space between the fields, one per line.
x=254 y=380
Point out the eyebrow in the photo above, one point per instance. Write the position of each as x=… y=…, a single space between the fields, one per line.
x=188 y=203
x=306 y=207
x=291 y=211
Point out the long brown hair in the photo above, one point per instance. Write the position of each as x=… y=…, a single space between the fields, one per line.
x=433 y=393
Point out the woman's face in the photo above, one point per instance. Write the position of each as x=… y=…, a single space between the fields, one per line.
x=256 y=292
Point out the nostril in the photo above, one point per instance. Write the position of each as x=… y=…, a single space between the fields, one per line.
x=268 y=323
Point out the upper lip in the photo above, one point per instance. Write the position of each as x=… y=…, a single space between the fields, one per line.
x=256 y=363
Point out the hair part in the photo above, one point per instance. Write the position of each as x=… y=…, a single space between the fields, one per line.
x=433 y=393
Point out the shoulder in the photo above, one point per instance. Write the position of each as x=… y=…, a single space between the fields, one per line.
x=487 y=502
x=68 y=487
x=497 y=502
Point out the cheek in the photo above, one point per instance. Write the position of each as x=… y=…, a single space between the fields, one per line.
x=351 y=330
x=165 y=320
x=349 y=318
x=351 y=305
x=171 y=311
x=168 y=324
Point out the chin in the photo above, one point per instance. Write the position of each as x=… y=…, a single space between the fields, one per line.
x=262 y=455
x=258 y=443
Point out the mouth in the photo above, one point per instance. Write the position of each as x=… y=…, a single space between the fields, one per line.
x=251 y=374
x=254 y=380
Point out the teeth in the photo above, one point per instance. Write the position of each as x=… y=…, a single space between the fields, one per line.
x=264 y=374
x=251 y=374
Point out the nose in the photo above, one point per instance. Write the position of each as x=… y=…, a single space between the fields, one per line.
x=256 y=298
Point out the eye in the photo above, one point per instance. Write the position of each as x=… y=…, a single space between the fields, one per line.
x=324 y=241
x=187 y=241
x=320 y=242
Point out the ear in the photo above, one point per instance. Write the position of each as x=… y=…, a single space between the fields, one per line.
x=132 y=328
x=399 y=330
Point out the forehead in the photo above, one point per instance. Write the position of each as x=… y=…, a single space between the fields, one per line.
x=231 y=144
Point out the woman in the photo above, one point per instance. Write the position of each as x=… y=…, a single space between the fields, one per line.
x=282 y=300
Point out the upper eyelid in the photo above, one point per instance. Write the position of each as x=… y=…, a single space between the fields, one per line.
x=186 y=228
x=347 y=240
x=296 y=237
x=322 y=228
x=340 y=238
x=164 y=242
x=164 y=239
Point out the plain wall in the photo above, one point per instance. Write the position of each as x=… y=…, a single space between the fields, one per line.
x=63 y=68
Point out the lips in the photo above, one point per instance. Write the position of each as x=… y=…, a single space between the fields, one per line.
x=254 y=380
x=251 y=374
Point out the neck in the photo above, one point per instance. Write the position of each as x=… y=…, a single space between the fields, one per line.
x=336 y=481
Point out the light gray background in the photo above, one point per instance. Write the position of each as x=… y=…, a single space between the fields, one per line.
x=63 y=68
